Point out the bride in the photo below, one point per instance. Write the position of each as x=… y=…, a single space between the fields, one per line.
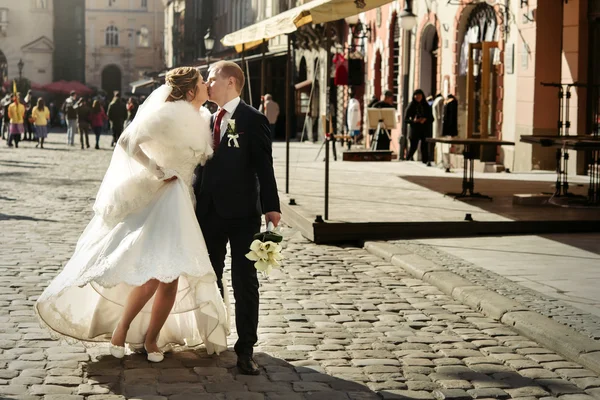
x=141 y=273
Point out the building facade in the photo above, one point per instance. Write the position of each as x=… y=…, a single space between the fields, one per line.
x=124 y=42
x=69 y=32
x=494 y=55
x=27 y=35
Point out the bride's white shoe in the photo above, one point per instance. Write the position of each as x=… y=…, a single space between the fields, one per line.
x=116 y=351
x=154 y=357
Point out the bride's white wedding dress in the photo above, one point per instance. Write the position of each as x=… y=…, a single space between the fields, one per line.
x=144 y=228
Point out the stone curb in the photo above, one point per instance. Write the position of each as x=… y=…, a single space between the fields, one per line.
x=551 y=334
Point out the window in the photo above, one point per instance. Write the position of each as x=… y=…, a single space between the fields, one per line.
x=111 y=2
x=144 y=37
x=41 y=3
x=144 y=3
x=112 y=36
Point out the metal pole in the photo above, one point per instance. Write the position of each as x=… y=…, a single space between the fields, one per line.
x=326 y=179
x=327 y=114
x=244 y=64
x=288 y=113
x=263 y=74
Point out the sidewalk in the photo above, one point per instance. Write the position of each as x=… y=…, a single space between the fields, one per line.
x=555 y=275
x=411 y=192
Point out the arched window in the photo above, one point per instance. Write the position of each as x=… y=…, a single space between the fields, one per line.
x=112 y=36
x=144 y=37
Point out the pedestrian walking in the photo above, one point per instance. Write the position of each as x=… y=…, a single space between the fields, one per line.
x=418 y=115
x=28 y=121
x=271 y=111
x=354 y=118
x=6 y=101
x=16 y=113
x=97 y=118
x=117 y=114
x=132 y=108
x=84 y=113
x=70 y=114
x=41 y=118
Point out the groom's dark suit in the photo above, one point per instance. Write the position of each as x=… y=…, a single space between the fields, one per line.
x=232 y=191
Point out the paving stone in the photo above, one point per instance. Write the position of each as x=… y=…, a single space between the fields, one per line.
x=63 y=380
x=222 y=387
x=13 y=389
x=284 y=396
x=559 y=386
x=326 y=396
x=244 y=396
x=405 y=395
x=310 y=386
x=50 y=389
x=538 y=373
x=526 y=391
x=587 y=383
x=194 y=396
x=494 y=393
x=456 y=394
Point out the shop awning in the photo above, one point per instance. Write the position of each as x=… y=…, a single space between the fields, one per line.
x=254 y=57
x=141 y=83
x=313 y=12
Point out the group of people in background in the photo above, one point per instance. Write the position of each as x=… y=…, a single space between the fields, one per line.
x=33 y=120
x=425 y=117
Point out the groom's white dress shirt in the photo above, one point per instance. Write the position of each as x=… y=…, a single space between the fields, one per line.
x=230 y=108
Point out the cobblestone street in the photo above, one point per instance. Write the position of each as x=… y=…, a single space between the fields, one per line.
x=336 y=322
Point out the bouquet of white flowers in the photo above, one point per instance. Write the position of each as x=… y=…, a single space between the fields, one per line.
x=265 y=250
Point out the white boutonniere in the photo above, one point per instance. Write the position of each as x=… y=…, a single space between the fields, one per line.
x=232 y=135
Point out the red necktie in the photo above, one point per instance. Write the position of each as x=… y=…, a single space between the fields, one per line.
x=217 y=129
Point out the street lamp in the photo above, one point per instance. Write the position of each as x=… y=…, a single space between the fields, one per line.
x=408 y=20
x=209 y=43
x=20 y=64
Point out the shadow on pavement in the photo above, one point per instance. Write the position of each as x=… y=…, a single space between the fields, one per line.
x=502 y=191
x=6 y=217
x=193 y=375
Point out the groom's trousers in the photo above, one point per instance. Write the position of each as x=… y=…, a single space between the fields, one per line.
x=239 y=232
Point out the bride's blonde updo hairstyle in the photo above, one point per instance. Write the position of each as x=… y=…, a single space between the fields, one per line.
x=182 y=80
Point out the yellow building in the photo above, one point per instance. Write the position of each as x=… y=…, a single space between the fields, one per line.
x=124 y=40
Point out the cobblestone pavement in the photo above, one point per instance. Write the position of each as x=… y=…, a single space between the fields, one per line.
x=336 y=323
x=583 y=322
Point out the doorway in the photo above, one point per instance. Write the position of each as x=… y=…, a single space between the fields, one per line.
x=111 y=80
x=429 y=61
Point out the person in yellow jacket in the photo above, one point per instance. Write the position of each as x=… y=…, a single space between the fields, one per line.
x=41 y=116
x=16 y=113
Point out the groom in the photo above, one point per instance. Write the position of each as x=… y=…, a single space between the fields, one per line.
x=232 y=191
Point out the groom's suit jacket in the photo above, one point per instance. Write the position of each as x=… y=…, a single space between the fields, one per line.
x=239 y=181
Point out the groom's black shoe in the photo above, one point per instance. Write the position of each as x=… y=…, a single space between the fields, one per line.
x=247 y=366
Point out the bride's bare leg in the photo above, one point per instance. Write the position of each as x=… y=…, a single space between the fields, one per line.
x=163 y=303
x=136 y=300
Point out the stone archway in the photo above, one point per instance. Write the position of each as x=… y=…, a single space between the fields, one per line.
x=112 y=80
x=302 y=70
x=478 y=73
x=377 y=76
x=428 y=76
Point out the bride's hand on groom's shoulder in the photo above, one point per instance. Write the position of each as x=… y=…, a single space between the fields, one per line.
x=170 y=179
